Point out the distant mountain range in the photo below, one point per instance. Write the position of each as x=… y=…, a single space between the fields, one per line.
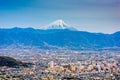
x=58 y=34
x=71 y=39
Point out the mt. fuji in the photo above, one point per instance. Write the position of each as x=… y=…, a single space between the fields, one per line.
x=58 y=24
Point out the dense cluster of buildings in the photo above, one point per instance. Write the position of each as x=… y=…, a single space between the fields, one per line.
x=64 y=65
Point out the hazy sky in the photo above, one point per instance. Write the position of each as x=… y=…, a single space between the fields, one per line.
x=87 y=15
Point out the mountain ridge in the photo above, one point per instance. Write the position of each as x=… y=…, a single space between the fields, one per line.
x=58 y=37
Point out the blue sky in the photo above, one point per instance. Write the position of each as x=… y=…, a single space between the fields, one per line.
x=86 y=15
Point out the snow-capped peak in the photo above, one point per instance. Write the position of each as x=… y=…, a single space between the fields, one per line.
x=59 y=24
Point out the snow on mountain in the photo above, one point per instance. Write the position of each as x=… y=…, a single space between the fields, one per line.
x=58 y=24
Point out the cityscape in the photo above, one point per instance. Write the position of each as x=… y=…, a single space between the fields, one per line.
x=62 y=64
x=59 y=39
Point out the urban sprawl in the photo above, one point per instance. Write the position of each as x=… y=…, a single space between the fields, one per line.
x=62 y=64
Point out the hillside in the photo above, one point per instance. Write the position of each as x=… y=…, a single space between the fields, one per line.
x=10 y=62
x=60 y=38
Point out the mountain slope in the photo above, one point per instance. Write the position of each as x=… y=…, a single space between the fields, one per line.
x=58 y=24
x=10 y=62
x=58 y=37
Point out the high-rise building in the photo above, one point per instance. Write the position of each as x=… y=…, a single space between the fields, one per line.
x=99 y=68
x=51 y=64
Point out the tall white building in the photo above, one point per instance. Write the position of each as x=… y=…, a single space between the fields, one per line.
x=51 y=64
x=99 y=68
